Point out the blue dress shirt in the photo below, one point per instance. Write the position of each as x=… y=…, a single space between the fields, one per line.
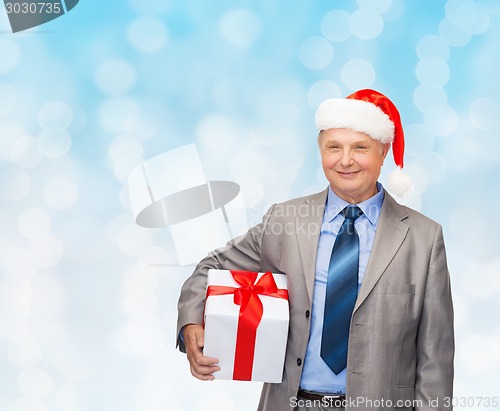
x=316 y=375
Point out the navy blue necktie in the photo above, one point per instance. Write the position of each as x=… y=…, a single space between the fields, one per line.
x=341 y=292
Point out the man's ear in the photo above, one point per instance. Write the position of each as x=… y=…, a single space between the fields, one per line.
x=320 y=135
x=385 y=149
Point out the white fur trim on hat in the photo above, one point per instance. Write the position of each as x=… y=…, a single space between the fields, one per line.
x=357 y=115
x=400 y=183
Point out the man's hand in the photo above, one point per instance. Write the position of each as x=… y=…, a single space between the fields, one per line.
x=201 y=367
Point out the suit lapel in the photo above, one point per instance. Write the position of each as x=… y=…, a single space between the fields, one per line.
x=391 y=232
x=308 y=231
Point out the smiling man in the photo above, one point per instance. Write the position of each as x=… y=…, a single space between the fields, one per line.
x=351 y=162
x=371 y=316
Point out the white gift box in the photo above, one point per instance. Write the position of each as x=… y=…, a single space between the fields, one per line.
x=223 y=325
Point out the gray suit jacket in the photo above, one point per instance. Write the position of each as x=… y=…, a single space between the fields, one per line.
x=401 y=342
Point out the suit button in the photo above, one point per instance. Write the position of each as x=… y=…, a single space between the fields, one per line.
x=307 y=313
x=299 y=362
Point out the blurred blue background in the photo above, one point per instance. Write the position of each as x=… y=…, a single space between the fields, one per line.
x=88 y=298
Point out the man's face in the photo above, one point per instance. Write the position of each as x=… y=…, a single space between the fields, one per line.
x=351 y=163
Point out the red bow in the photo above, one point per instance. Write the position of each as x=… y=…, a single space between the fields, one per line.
x=251 y=310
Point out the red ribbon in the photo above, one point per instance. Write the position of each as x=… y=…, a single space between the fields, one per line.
x=251 y=310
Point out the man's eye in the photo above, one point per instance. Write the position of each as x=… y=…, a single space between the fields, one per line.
x=361 y=147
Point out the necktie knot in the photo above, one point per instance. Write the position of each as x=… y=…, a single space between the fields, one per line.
x=352 y=212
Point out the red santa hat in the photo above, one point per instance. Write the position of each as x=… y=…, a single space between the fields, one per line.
x=372 y=113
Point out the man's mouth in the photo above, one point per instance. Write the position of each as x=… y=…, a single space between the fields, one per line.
x=347 y=173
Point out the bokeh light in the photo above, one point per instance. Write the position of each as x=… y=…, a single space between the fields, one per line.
x=441 y=119
x=24 y=353
x=46 y=251
x=433 y=46
x=425 y=97
x=247 y=166
x=145 y=337
x=216 y=134
x=60 y=193
x=366 y=24
x=54 y=142
x=484 y=360
x=11 y=55
x=25 y=153
x=227 y=404
x=484 y=113
x=124 y=165
x=452 y=34
x=115 y=113
x=316 y=53
x=10 y=132
x=56 y=114
x=29 y=404
x=335 y=25
x=434 y=165
x=358 y=73
x=115 y=76
x=240 y=28
x=34 y=223
x=492 y=6
x=141 y=127
x=152 y=7
x=79 y=120
x=322 y=90
x=463 y=155
x=381 y=6
x=433 y=72
x=15 y=183
x=140 y=305
x=34 y=382
x=6 y=404
x=147 y=34
x=468 y=15
x=396 y=11
x=17 y=262
x=134 y=240
x=16 y=295
x=9 y=100
x=253 y=191
x=124 y=145
x=482 y=246
x=419 y=175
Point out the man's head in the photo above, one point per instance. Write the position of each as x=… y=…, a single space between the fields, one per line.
x=369 y=118
x=351 y=162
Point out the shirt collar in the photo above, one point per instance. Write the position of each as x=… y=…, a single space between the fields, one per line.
x=371 y=207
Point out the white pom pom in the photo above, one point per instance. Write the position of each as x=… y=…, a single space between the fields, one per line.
x=400 y=183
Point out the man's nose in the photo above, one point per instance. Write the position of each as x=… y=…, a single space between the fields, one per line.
x=346 y=159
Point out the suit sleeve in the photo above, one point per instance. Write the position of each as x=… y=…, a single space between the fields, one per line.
x=241 y=253
x=435 y=338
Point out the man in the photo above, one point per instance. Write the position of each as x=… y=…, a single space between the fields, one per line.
x=371 y=316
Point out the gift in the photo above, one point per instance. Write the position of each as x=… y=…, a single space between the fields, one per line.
x=246 y=324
